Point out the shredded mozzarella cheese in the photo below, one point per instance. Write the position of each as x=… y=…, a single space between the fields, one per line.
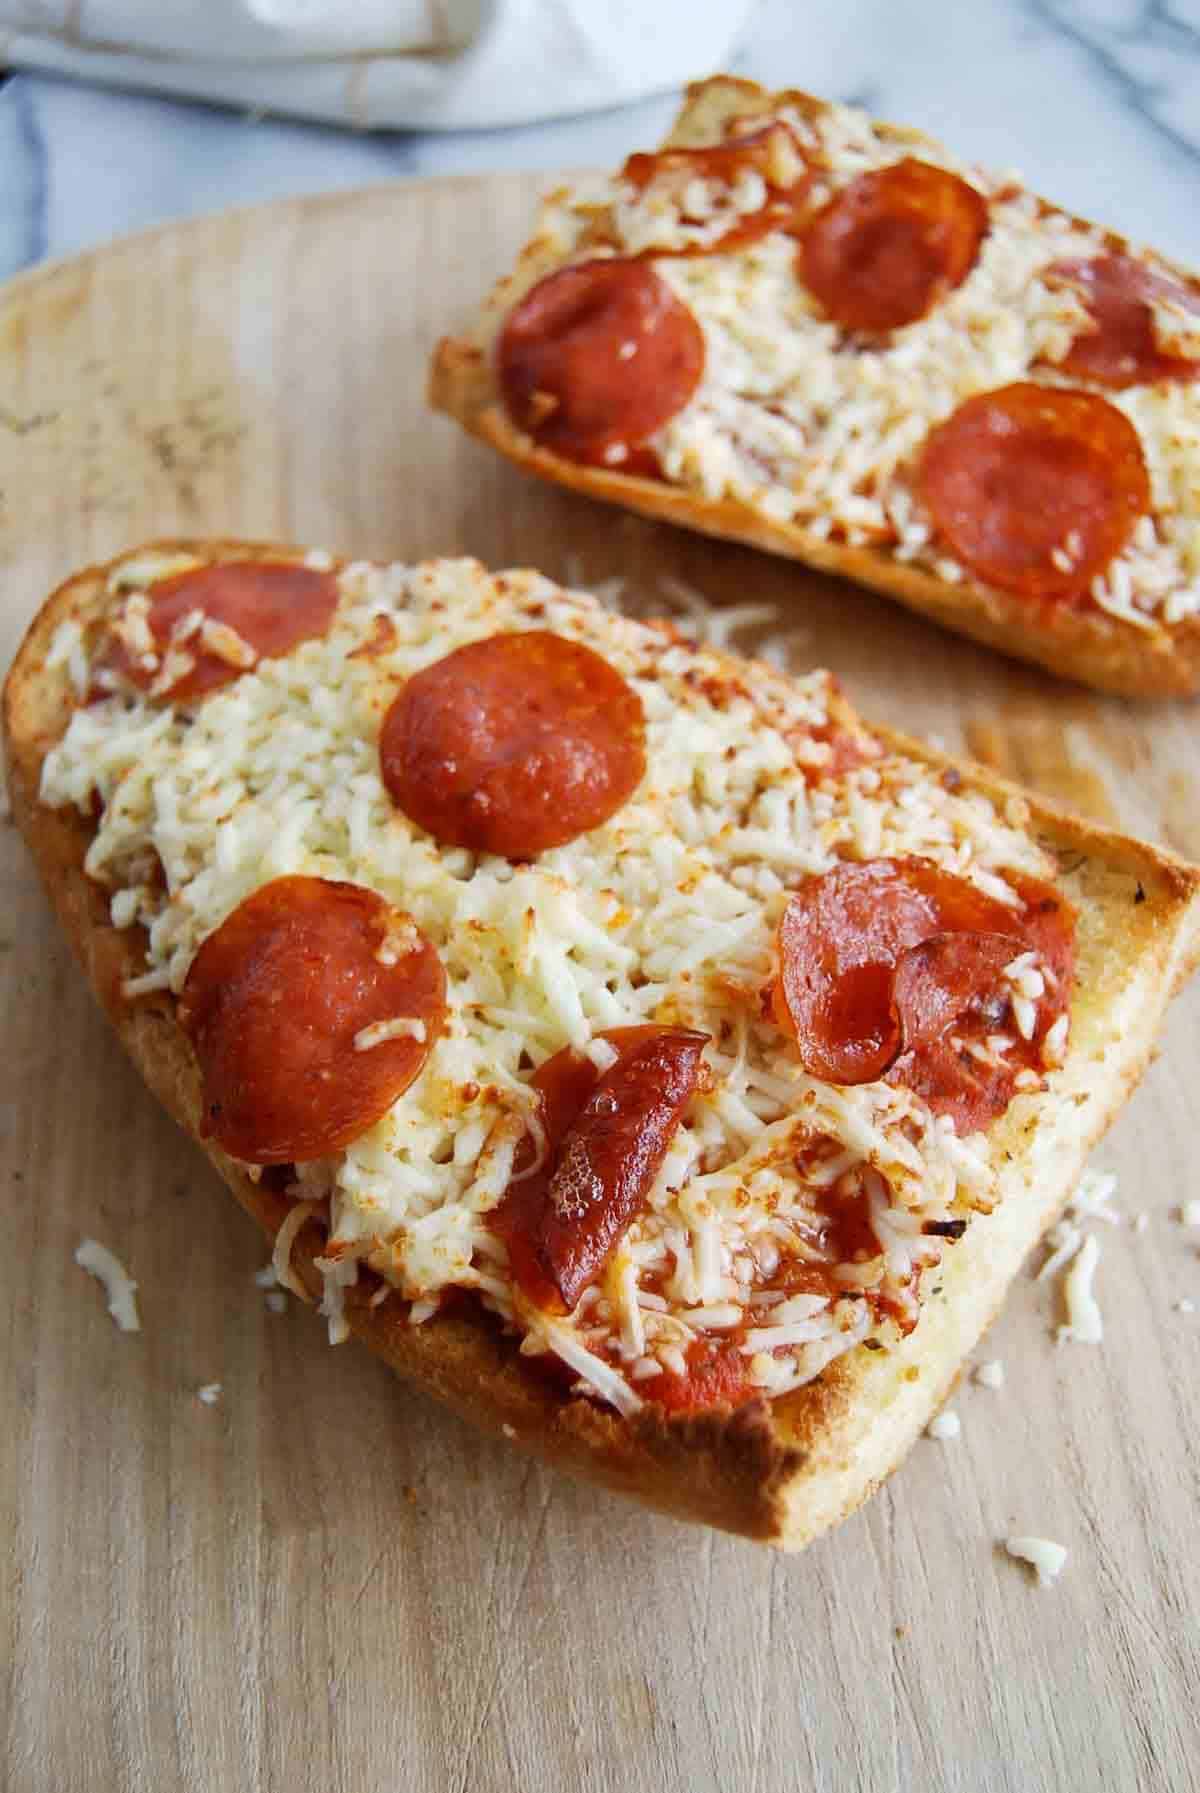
x=404 y=1027
x=1084 y=1324
x=1044 y=1556
x=117 y=1283
x=285 y=1238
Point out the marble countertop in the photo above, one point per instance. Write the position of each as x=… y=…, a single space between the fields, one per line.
x=1097 y=102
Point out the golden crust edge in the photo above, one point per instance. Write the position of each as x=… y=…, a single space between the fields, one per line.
x=1094 y=648
x=780 y=1472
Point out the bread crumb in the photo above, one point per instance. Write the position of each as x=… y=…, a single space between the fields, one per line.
x=944 y=1425
x=209 y=1393
x=1140 y=1222
x=1185 y=1306
x=1189 y=1214
x=509 y=1431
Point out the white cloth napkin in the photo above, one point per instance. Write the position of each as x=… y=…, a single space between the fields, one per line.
x=428 y=64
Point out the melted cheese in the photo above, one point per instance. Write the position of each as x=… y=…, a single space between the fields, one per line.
x=791 y=422
x=667 y=913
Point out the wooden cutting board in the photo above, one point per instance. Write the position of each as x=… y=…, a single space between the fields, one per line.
x=324 y=1582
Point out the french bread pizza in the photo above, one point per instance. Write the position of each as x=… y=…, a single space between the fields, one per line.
x=832 y=339
x=636 y=1049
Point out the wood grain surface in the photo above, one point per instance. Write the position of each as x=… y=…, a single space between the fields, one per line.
x=324 y=1582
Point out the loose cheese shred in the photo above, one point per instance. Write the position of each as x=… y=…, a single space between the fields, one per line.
x=227 y=644
x=1045 y=1557
x=402 y=938
x=1084 y=1324
x=990 y=1374
x=285 y=1238
x=404 y=1027
x=944 y=1426
x=118 y=1285
x=593 y=1371
x=1064 y=1241
x=1093 y=1197
x=337 y=1275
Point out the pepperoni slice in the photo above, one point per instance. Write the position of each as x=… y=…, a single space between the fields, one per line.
x=606 y=1139
x=611 y=1156
x=933 y=981
x=278 y=1003
x=1035 y=488
x=268 y=605
x=514 y=744
x=957 y=1081
x=892 y=969
x=596 y=358
x=889 y=246
x=772 y=153
x=839 y=939
x=1122 y=349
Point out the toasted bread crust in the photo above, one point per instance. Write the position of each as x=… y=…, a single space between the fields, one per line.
x=780 y=1471
x=1090 y=645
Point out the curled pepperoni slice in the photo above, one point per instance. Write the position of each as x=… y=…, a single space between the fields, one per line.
x=894 y=969
x=1123 y=348
x=311 y=1009
x=597 y=357
x=1035 y=488
x=606 y=1138
x=249 y=610
x=839 y=940
x=514 y=744
x=889 y=246
x=934 y=980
